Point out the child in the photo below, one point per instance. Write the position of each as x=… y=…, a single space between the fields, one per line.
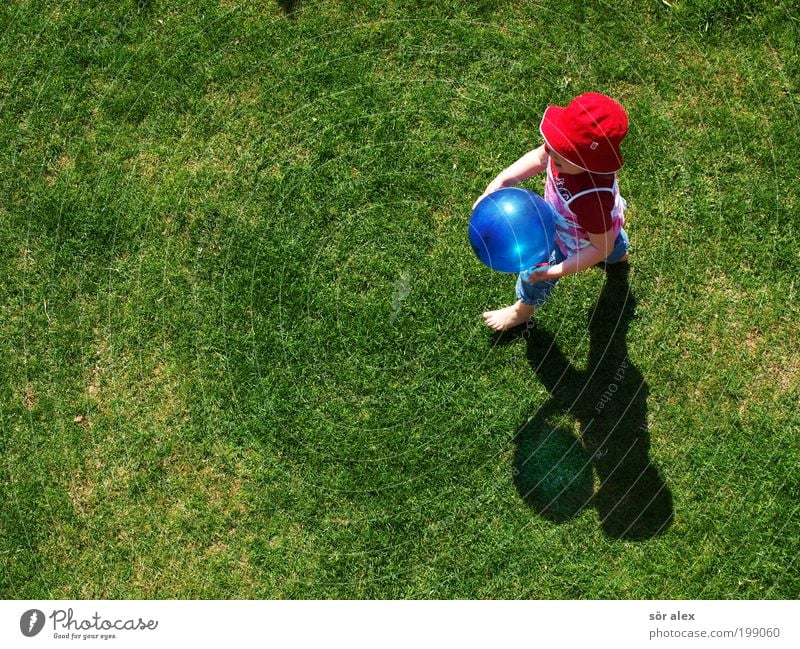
x=581 y=155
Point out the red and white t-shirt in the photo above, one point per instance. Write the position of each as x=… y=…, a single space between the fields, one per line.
x=586 y=203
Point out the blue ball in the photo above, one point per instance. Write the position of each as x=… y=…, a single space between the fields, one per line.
x=512 y=229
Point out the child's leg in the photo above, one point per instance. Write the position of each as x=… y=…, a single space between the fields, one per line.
x=622 y=246
x=529 y=297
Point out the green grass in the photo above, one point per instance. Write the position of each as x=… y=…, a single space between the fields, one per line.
x=241 y=347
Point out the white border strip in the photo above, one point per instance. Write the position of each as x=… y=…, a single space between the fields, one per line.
x=388 y=624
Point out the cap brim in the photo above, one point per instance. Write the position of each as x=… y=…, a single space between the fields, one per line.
x=549 y=128
x=553 y=134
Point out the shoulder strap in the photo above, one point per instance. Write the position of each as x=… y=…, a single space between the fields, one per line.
x=591 y=191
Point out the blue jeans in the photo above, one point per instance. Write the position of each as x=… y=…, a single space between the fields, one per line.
x=537 y=293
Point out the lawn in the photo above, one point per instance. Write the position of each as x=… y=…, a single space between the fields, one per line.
x=242 y=352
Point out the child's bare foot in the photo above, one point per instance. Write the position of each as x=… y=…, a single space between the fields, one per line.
x=509 y=317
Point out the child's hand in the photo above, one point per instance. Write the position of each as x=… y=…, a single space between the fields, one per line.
x=479 y=199
x=543 y=273
x=493 y=187
x=528 y=165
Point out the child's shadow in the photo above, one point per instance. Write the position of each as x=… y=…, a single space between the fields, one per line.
x=290 y=7
x=553 y=470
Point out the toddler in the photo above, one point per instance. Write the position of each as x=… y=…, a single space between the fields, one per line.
x=581 y=156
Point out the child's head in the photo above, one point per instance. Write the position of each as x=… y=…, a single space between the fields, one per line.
x=563 y=165
x=586 y=134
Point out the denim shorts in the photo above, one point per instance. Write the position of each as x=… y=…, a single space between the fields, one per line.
x=537 y=293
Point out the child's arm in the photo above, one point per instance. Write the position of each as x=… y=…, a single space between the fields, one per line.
x=601 y=247
x=528 y=165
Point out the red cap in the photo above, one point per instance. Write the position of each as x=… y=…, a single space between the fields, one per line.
x=587 y=132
